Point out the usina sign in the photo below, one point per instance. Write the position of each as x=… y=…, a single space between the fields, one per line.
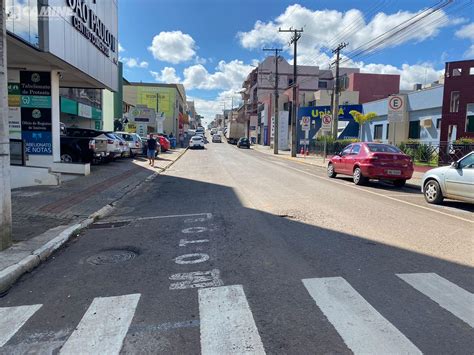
x=91 y=27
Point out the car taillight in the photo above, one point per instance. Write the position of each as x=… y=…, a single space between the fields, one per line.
x=371 y=159
x=110 y=141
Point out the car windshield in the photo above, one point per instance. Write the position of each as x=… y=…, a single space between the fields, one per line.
x=383 y=148
x=127 y=137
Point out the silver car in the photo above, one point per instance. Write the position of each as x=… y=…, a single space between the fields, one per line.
x=133 y=140
x=455 y=181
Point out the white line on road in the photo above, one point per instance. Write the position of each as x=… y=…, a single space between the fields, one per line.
x=103 y=327
x=207 y=216
x=194 y=230
x=361 y=326
x=381 y=195
x=13 y=318
x=194 y=258
x=448 y=295
x=227 y=324
x=184 y=242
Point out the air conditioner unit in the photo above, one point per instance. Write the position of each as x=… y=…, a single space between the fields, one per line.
x=428 y=123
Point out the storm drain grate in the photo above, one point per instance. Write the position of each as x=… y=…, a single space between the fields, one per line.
x=112 y=256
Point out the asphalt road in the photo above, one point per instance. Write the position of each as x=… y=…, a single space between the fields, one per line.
x=234 y=251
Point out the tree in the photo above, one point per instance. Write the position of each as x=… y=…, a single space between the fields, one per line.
x=361 y=119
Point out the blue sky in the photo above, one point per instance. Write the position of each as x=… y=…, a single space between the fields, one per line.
x=208 y=45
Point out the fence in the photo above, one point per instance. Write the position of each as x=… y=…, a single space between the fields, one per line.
x=432 y=154
x=17 y=152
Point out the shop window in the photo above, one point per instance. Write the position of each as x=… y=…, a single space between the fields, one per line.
x=470 y=118
x=454 y=105
x=378 y=128
x=388 y=129
x=457 y=71
x=414 y=130
x=290 y=81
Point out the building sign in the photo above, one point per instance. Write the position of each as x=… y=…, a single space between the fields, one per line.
x=90 y=26
x=14 y=113
x=84 y=110
x=35 y=104
x=396 y=108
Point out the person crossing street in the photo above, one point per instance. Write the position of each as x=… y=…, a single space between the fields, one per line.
x=151 y=151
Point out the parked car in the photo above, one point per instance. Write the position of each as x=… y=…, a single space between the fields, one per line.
x=367 y=160
x=124 y=149
x=243 y=142
x=455 y=181
x=216 y=138
x=196 y=142
x=99 y=136
x=134 y=142
x=164 y=143
x=213 y=131
x=113 y=145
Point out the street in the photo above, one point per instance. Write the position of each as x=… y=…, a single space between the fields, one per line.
x=232 y=251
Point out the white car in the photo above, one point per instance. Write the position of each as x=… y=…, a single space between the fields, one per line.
x=216 y=138
x=455 y=181
x=196 y=142
x=134 y=142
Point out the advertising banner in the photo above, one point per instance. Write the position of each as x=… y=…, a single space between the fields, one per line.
x=14 y=113
x=35 y=103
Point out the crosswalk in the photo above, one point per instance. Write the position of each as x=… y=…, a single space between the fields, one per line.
x=227 y=325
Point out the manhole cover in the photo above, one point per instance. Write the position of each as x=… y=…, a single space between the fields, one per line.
x=114 y=256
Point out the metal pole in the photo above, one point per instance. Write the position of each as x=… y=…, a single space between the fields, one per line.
x=5 y=187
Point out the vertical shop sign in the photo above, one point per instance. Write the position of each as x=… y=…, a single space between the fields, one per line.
x=35 y=104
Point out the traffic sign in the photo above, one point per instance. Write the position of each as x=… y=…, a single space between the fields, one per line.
x=305 y=123
x=326 y=122
x=396 y=108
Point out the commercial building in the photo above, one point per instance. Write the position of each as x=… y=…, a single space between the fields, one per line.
x=458 y=101
x=53 y=45
x=167 y=101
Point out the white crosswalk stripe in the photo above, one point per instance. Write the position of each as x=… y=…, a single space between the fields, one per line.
x=13 y=318
x=103 y=327
x=361 y=326
x=227 y=324
x=445 y=293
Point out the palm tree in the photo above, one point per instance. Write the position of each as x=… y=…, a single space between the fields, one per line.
x=361 y=118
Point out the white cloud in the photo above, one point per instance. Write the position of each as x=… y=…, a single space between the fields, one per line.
x=167 y=75
x=207 y=108
x=199 y=60
x=228 y=75
x=470 y=52
x=173 y=47
x=323 y=29
x=134 y=63
x=121 y=49
x=466 y=31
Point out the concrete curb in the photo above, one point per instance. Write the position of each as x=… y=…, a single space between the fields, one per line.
x=11 y=274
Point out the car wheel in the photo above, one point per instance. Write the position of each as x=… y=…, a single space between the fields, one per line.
x=67 y=158
x=358 y=178
x=433 y=193
x=399 y=183
x=331 y=172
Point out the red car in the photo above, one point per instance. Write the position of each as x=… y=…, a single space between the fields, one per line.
x=164 y=143
x=367 y=160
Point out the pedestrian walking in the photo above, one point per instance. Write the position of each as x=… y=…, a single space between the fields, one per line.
x=181 y=140
x=151 y=151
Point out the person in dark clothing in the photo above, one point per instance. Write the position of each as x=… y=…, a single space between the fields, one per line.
x=151 y=151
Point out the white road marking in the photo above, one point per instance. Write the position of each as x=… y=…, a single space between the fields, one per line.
x=184 y=242
x=194 y=230
x=227 y=324
x=13 y=318
x=194 y=258
x=196 y=279
x=449 y=296
x=381 y=195
x=361 y=326
x=103 y=327
x=207 y=216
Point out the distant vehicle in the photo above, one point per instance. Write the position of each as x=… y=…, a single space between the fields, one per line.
x=455 y=181
x=165 y=144
x=196 y=142
x=367 y=160
x=243 y=142
x=134 y=142
x=213 y=131
x=216 y=138
x=235 y=130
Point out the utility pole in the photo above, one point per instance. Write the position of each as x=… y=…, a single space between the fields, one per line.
x=275 y=123
x=336 y=90
x=294 y=40
x=5 y=187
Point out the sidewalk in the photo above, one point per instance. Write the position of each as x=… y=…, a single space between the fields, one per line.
x=45 y=217
x=414 y=182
